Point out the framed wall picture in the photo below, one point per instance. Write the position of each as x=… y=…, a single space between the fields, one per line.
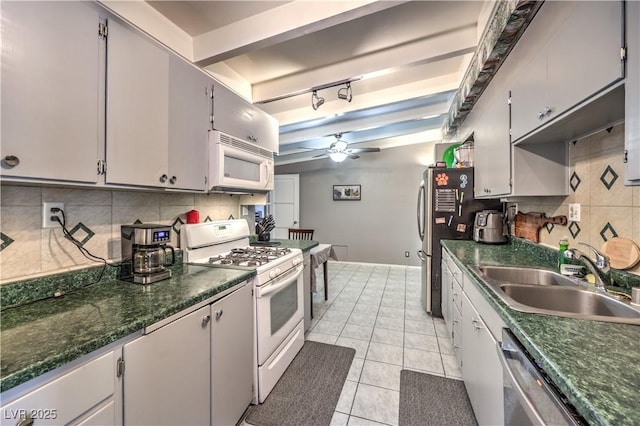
x=346 y=192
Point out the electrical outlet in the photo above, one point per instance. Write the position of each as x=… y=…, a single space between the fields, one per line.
x=406 y=254
x=47 y=222
x=574 y=212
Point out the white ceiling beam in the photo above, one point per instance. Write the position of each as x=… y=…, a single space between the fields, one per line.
x=457 y=42
x=286 y=22
x=145 y=17
x=389 y=95
x=366 y=122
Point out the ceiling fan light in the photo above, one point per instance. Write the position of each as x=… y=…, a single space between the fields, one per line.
x=339 y=145
x=338 y=157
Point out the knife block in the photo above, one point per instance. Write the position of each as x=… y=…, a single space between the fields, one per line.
x=264 y=237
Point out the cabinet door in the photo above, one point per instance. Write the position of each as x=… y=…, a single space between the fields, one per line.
x=581 y=60
x=239 y=118
x=69 y=396
x=232 y=361
x=492 y=145
x=632 y=95
x=168 y=375
x=457 y=335
x=137 y=108
x=482 y=371
x=188 y=125
x=529 y=94
x=446 y=297
x=266 y=131
x=51 y=90
x=231 y=114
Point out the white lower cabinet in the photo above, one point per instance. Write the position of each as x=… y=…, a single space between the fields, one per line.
x=482 y=372
x=84 y=394
x=232 y=356
x=475 y=327
x=167 y=377
x=196 y=370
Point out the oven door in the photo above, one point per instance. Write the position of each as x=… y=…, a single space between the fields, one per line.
x=279 y=308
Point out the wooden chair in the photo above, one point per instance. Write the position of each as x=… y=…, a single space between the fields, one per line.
x=300 y=234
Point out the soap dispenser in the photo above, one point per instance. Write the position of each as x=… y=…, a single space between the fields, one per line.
x=562 y=247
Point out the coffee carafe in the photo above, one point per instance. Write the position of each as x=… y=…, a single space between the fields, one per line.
x=145 y=257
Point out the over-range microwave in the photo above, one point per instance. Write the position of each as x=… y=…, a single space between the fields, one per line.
x=238 y=166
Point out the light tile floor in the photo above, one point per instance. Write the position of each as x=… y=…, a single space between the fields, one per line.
x=376 y=310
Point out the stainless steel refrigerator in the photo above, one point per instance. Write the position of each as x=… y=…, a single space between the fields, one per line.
x=446 y=211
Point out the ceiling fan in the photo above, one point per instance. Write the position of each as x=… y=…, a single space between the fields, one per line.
x=338 y=151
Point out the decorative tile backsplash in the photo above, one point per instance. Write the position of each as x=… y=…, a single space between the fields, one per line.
x=93 y=217
x=608 y=208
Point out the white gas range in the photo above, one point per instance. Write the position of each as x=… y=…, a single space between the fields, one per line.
x=278 y=290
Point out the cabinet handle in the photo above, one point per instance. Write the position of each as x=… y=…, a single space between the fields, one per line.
x=205 y=320
x=476 y=323
x=542 y=114
x=163 y=178
x=219 y=314
x=11 y=161
x=173 y=180
x=25 y=421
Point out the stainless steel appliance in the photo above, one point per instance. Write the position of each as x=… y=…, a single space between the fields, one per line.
x=144 y=253
x=529 y=397
x=446 y=211
x=490 y=227
x=278 y=289
x=238 y=166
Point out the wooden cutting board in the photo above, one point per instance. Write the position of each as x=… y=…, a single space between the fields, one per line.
x=527 y=225
x=623 y=253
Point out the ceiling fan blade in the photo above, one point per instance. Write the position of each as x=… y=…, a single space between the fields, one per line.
x=321 y=155
x=352 y=155
x=354 y=150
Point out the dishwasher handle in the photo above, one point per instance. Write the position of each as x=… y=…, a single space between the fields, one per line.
x=525 y=401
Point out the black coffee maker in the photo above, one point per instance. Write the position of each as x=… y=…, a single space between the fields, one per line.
x=145 y=259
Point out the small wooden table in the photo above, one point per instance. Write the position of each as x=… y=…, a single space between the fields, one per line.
x=319 y=256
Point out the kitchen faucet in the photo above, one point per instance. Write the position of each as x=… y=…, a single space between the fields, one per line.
x=599 y=268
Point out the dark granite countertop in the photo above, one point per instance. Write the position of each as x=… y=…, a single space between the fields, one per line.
x=40 y=336
x=595 y=364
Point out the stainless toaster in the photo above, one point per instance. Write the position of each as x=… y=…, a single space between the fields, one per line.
x=489 y=227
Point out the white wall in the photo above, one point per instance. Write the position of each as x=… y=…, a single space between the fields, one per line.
x=380 y=227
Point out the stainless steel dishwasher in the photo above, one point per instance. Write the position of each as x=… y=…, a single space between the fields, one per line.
x=529 y=397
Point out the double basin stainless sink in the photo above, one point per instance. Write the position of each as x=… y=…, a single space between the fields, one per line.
x=541 y=291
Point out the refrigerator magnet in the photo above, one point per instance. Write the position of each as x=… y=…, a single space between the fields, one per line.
x=461 y=227
x=441 y=220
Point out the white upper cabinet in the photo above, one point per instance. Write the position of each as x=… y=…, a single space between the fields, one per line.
x=238 y=118
x=190 y=107
x=632 y=99
x=137 y=108
x=492 y=146
x=577 y=55
x=51 y=98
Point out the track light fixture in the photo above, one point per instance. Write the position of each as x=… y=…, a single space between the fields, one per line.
x=316 y=100
x=345 y=93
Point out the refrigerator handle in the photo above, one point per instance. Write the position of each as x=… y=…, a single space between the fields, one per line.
x=421 y=217
x=422 y=255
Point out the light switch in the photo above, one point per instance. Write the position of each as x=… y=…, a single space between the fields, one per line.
x=574 y=212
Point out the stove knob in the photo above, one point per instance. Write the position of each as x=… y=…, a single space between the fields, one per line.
x=296 y=261
x=272 y=274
